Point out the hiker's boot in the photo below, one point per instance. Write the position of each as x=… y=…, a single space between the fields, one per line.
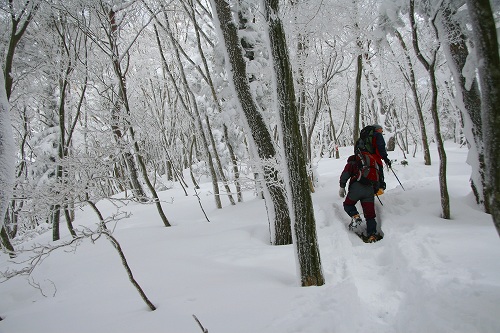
x=355 y=222
x=372 y=238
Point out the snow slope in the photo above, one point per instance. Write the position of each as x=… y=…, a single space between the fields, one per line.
x=426 y=275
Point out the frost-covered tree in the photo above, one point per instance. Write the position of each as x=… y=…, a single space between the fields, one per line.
x=7 y=163
x=260 y=138
x=430 y=64
x=321 y=53
x=150 y=93
x=115 y=17
x=20 y=14
x=486 y=46
x=393 y=22
x=451 y=21
x=301 y=206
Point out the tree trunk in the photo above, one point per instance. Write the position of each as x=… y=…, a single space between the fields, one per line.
x=280 y=216
x=192 y=146
x=234 y=162
x=443 y=183
x=122 y=102
x=197 y=119
x=357 y=98
x=5 y=242
x=137 y=188
x=150 y=186
x=302 y=99
x=208 y=80
x=413 y=86
x=18 y=29
x=483 y=25
x=62 y=148
x=468 y=100
x=431 y=70
x=69 y=221
x=303 y=212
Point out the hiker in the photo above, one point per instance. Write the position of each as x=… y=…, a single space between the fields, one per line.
x=372 y=141
x=363 y=190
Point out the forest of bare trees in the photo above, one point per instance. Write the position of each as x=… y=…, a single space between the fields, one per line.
x=112 y=96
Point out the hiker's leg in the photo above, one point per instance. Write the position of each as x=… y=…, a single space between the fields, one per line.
x=355 y=193
x=368 y=209
x=368 y=205
x=350 y=206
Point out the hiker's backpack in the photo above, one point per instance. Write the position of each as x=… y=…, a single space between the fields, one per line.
x=365 y=141
x=368 y=169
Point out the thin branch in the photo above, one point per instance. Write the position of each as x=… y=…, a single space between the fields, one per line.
x=43 y=251
x=203 y=329
x=118 y=248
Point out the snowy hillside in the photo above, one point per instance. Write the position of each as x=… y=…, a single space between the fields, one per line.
x=426 y=275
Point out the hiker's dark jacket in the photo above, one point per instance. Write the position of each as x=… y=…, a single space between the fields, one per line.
x=379 y=145
x=351 y=172
x=351 y=169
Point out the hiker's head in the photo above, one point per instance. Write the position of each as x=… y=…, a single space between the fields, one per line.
x=378 y=128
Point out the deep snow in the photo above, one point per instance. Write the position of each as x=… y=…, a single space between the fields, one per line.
x=427 y=274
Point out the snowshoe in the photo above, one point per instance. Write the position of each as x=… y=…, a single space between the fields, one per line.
x=355 y=222
x=369 y=239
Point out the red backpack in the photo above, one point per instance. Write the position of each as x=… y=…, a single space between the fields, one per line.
x=368 y=169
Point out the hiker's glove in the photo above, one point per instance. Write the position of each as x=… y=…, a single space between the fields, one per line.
x=342 y=192
x=387 y=162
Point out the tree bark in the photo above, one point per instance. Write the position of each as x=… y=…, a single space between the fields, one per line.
x=468 y=99
x=302 y=98
x=62 y=148
x=357 y=98
x=18 y=29
x=7 y=171
x=301 y=202
x=280 y=216
x=483 y=25
x=234 y=162
x=430 y=67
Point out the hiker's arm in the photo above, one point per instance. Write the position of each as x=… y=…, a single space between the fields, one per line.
x=346 y=174
x=381 y=145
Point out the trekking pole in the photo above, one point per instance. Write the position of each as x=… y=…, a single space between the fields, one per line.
x=397 y=178
x=379 y=199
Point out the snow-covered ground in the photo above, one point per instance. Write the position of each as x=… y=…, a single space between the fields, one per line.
x=427 y=274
